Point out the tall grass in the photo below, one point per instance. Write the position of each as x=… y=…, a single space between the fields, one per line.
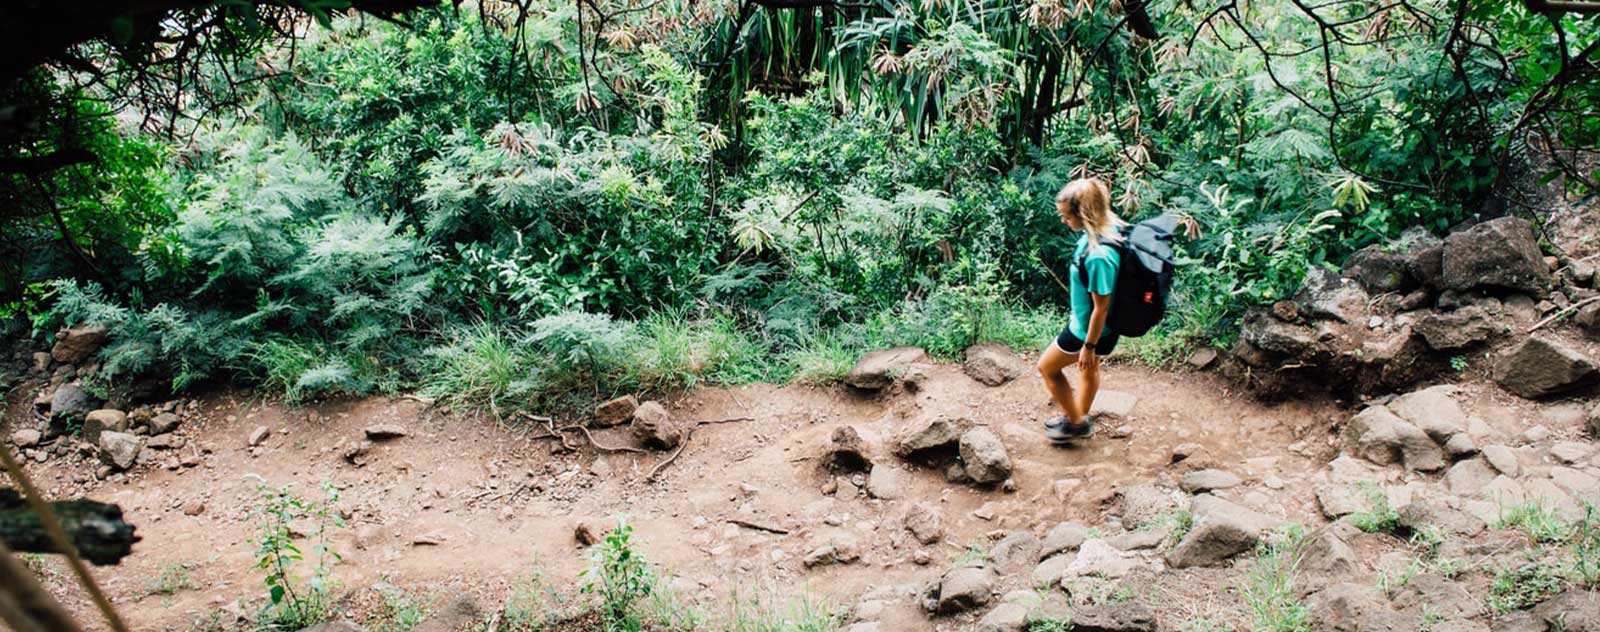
x=1269 y=588
x=478 y=365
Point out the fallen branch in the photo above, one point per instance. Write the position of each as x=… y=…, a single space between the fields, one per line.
x=95 y=528
x=663 y=465
x=1563 y=312
x=556 y=433
x=758 y=526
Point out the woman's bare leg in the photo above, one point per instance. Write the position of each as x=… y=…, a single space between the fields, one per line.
x=1088 y=387
x=1051 y=366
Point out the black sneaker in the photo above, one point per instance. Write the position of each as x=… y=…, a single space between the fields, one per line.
x=1059 y=430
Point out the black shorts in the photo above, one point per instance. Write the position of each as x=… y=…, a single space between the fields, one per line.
x=1071 y=344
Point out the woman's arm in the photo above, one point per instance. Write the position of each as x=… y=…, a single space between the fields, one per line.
x=1088 y=358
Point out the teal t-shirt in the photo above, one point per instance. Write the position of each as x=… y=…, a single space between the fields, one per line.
x=1102 y=264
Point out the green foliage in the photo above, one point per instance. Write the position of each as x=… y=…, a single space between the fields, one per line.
x=1516 y=588
x=292 y=602
x=621 y=578
x=1269 y=588
x=1377 y=516
x=1541 y=523
x=1586 y=549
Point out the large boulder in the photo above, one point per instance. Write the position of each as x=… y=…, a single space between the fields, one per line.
x=1542 y=366
x=1221 y=530
x=931 y=435
x=1380 y=271
x=119 y=449
x=655 y=427
x=879 y=369
x=1016 y=552
x=102 y=420
x=984 y=457
x=993 y=363
x=615 y=412
x=1500 y=253
x=1460 y=329
x=1327 y=296
x=963 y=589
x=69 y=405
x=76 y=344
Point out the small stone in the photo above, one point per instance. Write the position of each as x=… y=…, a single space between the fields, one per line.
x=259 y=436
x=1120 y=432
x=1183 y=451
x=984 y=457
x=920 y=557
x=964 y=589
x=985 y=512
x=119 y=449
x=886 y=481
x=1200 y=481
x=384 y=432
x=1503 y=459
x=877 y=369
x=653 y=426
x=1202 y=357
x=1098 y=557
x=1064 y=537
x=846 y=449
x=590 y=532
x=194 y=508
x=1536 y=434
x=1015 y=552
x=164 y=423
x=26 y=438
x=615 y=412
x=924 y=522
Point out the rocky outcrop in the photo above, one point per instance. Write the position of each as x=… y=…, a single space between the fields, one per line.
x=1500 y=253
x=879 y=369
x=1542 y=366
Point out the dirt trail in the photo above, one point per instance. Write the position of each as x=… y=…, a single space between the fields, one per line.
x=501 y=506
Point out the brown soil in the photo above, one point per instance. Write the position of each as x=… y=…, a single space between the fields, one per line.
x=504 y=505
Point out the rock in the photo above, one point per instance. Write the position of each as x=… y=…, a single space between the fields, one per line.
x=1221 y=530
x=1144 y=504
x=615 y=412
x=1064 y=537
x=1147 y=538
x=1570 y=451
x=1383 y=438
x=1460 y=329
x=653 y=427
x=984 y=457
x=591 y=532
x=1113 y=405
x=1324 y=559
x=1129 y=616
x=1588 y=318
x=461 y=614
x=41 y=363
x=1006 y=617
x=164 y=442
x=1014 y=553
x=1592 y=422
x=1442 y=597
x=886 y=481
x=1098 y=557
x=77 y=344
x=1202 y=358
x=847 y=450
x=1467 y=478
x=355 y=453
x=194 y=508
x=1183 y=451
x=1421 y=514
x=164 y=423
x=69 y=405
x=1380 y=271
x=936 y=434
x=1536 y=433
x=1460 y=447
x=1050 y=571
x=102 y=420
x=384 y=432
x=335 y=626
x=1200 y=481
x=1499 y=253
x=1346 y=607
x=1337 y=501
x=1432 y=409
x=119 y=449
x=964 y=589
x=924 y=522
x=259 y=436
x=840 y=549
x=1574 y=610
x=26 y=438
x=1542 y=366
x=987 y=511
x=1325 y=295
x=993 y=363
x=878 y=369
x=1503 y=459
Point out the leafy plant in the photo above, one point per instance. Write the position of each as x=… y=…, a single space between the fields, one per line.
x=621 y=578
x=1522 y=586
x=292 y=602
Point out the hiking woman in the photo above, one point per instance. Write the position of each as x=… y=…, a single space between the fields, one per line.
x=1085 y=206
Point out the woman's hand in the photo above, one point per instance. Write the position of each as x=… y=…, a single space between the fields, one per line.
x=1088 y=359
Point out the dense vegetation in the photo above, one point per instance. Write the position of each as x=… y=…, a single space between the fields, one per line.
x=515 y=207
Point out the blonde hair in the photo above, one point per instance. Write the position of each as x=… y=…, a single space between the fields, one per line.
x=1089 y=199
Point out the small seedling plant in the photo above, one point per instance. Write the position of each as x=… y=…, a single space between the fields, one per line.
x=291 y=603
x=621 y=578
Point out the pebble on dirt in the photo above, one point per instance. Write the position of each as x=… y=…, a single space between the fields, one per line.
x=259 y=436
x=384 y=432
x=615 y=412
